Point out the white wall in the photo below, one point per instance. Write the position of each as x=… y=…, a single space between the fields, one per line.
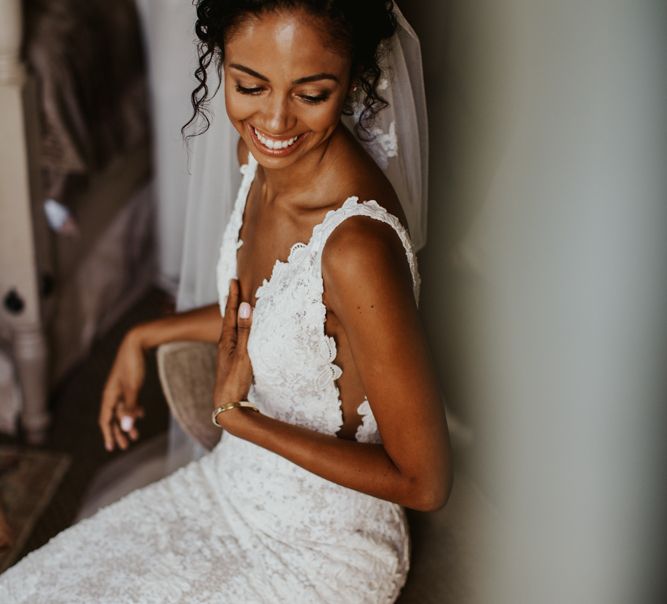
x=169 y=33
x=544 y=279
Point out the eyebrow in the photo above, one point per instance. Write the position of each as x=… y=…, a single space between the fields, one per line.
x=311 y=78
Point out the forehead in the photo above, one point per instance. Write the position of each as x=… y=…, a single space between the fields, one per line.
x=286 y=44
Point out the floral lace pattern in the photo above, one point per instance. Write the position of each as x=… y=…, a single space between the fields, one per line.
x=292 y=357
x=242 y=524
x=382 y=145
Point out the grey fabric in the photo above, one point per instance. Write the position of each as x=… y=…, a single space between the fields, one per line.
x=446 y=545
x=187 y=374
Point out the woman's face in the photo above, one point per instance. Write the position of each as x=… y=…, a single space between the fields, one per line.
x=284 y=86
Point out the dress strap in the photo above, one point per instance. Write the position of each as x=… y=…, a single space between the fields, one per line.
x=226 y=268
x=250 y=167
x=248 y=170
x=353 y=207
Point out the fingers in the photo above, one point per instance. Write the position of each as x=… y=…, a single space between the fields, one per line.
x=130 y=395
x=126 y=409
x=244 y=321
x=118 y=414
x=229 y=321
x=237 y=320
x=106 y=418
x=128 y=423
x=133 y=433
x=126 y=416
x=120 y=438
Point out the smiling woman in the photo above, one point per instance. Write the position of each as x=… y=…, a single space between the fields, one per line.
x=284 y=90
x=330 y=409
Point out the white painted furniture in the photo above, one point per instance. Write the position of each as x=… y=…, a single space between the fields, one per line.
x=20 y=310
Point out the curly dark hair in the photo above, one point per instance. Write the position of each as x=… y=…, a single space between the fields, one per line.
x=359 y=26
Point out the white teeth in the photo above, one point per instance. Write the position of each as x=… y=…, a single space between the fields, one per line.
x=274 y=144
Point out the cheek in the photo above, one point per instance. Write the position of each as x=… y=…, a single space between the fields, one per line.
x=238 y=107
x=325 y=117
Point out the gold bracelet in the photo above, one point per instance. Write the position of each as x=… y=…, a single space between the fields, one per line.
x=226 y=407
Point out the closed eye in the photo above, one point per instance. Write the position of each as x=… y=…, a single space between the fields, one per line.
x=320 y=98
x=244 y=90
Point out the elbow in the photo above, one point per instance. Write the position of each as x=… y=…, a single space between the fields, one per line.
x=430 y=500
x=431 y=495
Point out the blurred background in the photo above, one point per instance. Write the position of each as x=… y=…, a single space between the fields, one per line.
x=543 y=276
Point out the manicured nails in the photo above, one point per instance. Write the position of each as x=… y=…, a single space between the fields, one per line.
x=244 y=310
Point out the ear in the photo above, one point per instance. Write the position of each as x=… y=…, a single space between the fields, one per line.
x=355 y=81
x=352 y=96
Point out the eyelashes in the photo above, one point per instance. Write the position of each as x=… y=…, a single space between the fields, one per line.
x=244 y=90
x=310 y=99
x=320 y=98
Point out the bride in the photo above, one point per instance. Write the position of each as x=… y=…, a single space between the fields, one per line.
x=302 y=499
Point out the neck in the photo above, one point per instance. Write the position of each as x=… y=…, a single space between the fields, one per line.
x=292 y=181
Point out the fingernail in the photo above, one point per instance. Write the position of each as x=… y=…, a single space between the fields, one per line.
x=244 y=310
x=126 y=423
x=107 y=446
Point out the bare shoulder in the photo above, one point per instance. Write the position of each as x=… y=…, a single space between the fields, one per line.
x=364 y=254
x=362 y=247
x=242 y=152
x=362 y=176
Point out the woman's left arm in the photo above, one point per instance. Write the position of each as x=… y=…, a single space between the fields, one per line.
x=369 y=288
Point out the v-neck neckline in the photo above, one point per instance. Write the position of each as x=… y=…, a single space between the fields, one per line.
x=267 y=281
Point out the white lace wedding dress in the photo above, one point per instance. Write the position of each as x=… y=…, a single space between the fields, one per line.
x=243 y=525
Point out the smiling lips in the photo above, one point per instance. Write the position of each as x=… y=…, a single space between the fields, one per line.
x=274 y=146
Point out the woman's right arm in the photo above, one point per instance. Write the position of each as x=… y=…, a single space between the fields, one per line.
x=120 y=408
x=199 y=325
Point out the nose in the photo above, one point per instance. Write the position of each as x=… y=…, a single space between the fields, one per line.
x=277 y=115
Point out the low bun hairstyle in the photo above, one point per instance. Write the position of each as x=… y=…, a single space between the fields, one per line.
x=359 y=26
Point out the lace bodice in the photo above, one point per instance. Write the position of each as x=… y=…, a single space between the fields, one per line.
x=291 y=354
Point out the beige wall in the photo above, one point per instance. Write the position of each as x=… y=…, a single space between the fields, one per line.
x=467 y=71
x=544 y=279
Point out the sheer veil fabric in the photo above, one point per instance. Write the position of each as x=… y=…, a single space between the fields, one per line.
x=399 y=143
x=212 y=186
